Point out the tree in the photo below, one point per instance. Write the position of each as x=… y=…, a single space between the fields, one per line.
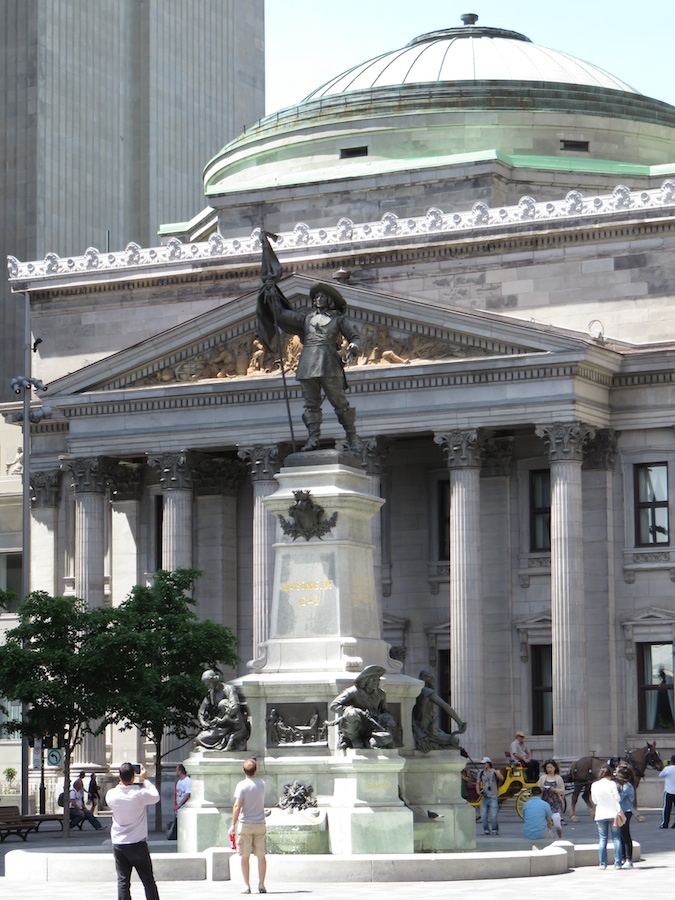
x=160 y=649
x=50 y=663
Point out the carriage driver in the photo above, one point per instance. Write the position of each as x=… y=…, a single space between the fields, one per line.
x=521 y=756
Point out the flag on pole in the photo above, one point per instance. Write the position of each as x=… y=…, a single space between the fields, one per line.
x=270 y=273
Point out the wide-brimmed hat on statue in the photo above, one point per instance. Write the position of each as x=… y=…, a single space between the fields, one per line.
x=320 y=288
x=369 y=672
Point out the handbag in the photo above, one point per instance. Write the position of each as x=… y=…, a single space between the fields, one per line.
x=620 y=819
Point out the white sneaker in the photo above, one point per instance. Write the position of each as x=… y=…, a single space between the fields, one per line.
x=627 y=865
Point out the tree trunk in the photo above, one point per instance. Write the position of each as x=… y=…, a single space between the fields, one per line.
x=158 y=782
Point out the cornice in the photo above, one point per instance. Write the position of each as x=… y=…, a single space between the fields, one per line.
x=528 y=224
x=183 y=396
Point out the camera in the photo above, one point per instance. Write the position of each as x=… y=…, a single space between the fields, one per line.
x=137 y=768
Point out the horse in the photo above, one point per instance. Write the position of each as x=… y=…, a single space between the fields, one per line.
x=586 y=770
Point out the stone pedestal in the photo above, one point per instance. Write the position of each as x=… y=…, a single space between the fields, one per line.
x=324 y=630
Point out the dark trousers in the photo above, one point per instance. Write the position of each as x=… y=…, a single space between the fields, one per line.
x=668 y=800
x=626 y=839
x=127 y=858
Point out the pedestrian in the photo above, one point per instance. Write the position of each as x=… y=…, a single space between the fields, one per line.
x=537 y=817
x=553 y=792
x=522 y=756
x=181 y=794
x=668 y=773
x=489 y=780
x=78 y=809
x=605 y=797
x=625 y=782
x=249 y=812
x=128 y=803
x=94 y=793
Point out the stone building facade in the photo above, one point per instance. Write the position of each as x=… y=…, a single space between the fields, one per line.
x=513 y=390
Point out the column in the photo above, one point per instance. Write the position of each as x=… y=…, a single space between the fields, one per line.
x=565 y=443
x=175 y=477
x=467 y=676
x=90 y=481
x=45 y=489
x=217 y=481
x=263 y=462
x=125 y=570
x=597 y=471
x=374 y=453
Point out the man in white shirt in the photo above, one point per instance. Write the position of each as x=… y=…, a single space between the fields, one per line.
x=181 y=795
x=128 y=803
x=78 y=810
x=668 y=773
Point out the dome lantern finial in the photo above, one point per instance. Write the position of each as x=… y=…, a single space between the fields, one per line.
x=469 y=18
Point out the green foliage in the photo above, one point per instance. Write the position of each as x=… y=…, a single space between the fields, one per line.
x=47 y=664
x=160 y=649
x=10 y=774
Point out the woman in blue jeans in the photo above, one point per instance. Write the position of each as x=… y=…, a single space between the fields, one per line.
x=605 y=796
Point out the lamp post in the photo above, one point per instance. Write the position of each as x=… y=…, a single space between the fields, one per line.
x=25 y=384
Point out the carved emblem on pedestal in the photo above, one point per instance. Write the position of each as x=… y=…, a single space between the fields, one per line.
x=307 y=518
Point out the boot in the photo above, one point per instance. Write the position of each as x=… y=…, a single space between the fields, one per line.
x=312 y=420
x=347 y=419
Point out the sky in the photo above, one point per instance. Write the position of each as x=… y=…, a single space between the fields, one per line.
x=309 y=41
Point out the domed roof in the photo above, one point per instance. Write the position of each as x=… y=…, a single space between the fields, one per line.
x=470 y=53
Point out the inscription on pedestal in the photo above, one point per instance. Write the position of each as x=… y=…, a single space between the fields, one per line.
x=307 y=595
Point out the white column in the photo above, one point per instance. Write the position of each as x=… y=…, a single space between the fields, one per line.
x=90 y=480
x=568 y=609
x=175 y=477
x=125 y=568
x=467 y=676
x=45 y=490
x=264 y=465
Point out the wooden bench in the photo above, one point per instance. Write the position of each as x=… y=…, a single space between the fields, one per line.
x=11 y=815
x=11 y=823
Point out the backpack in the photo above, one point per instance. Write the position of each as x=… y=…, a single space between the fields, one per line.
x=59 y=799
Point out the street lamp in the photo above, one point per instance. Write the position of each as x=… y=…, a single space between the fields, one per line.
x=25 y=384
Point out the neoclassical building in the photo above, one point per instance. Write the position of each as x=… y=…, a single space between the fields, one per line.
x=500 y=219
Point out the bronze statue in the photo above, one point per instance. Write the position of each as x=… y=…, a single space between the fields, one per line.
x=221 y=716
x=321 y=330
x=427 y=734
x=297 y=796
x=363 y=717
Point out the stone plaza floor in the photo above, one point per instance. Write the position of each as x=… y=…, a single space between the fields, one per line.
x=652 y=877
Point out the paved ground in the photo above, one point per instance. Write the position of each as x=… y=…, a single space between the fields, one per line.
x=652 y=877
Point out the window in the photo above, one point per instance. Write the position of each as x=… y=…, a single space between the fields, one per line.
x=655 y=687
x=578 y=146
x=651 y=504
x=13 y=715
x=159 y=530
x=540 y=510
x=10 y=572
x=353 y=152
x=542 y=688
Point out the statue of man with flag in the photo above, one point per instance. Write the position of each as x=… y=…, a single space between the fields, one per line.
x=320 y=369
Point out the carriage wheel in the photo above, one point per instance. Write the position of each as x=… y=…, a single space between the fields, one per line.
x=521 y=799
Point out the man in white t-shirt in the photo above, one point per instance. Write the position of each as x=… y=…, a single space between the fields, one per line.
x=181 y=795
x=128 y=803
x=249 y=811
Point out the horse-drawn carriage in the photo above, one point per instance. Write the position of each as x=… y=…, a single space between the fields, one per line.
x=514 y=785
x=578 y=780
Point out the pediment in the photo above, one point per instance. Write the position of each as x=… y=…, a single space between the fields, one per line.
x=395 y=332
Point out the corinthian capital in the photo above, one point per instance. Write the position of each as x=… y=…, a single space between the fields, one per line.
x=263 y=461
x=565 y=440
x=461 y=449
x=45 y=488
x=91 y=475
x=174 y=469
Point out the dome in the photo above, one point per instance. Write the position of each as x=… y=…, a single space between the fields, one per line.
x=470 y=53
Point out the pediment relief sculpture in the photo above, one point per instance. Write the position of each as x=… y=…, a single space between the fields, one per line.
x=245 y=357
